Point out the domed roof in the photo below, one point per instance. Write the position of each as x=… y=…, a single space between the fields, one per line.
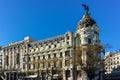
x=86 y=21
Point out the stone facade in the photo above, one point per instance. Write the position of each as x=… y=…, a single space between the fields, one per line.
x=112 y=65
x=0 y=59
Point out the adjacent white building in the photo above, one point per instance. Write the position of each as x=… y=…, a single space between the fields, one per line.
x=0 y=58
x=112 y=65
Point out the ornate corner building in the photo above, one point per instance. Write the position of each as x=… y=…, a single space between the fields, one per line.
x=54 y=57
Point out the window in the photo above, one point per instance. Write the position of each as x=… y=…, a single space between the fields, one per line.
x=24 y=59
x=89 y=41
x=67 y=63
x=50 y=41
x=54 y=54
x=60 y=54
x=43 y=65
x=48 y=64
x=28 y=58
x=42 y=44
x=43 y=56
x=57 y=41
x=67 y=37
x=84 y=32
x=33 y=49
x=55 y=64
x=33 y=58
x=67 y=53
x=68 y=43
x=4 y=50
x=117 y=62
x=49 y=47
x=38 y=65
x=49 y=56
x=54 y=45
x=14 y=47
x=60 y=63
x=111 y=59
x=62 y=38
x=96 y=41
x=24 y=66
x=17 y=58
x=33 y=66
x=95 y=32
x=6 y=60
x=38 y=57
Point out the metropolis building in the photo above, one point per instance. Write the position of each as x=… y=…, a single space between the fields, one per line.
x=54 y=57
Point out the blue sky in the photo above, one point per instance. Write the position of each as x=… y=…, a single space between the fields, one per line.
x=42 y=19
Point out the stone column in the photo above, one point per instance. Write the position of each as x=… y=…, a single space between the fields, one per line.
x=71 y=73
x=84 y=57
x=64 y=78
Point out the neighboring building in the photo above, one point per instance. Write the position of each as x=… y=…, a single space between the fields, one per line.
x=52 y=57
x=112 y=65
x=0 y=58
x=12 y=60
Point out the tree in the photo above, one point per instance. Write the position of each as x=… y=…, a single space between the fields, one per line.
x=92 y=65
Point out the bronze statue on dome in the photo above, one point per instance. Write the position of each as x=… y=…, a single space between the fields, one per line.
x=86 y=8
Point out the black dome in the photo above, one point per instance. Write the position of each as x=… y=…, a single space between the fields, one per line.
x=86 y=21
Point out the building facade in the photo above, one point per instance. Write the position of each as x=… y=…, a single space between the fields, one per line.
x=54 y=57
x=0 y=59
x=112 y=65
x=12 y=60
